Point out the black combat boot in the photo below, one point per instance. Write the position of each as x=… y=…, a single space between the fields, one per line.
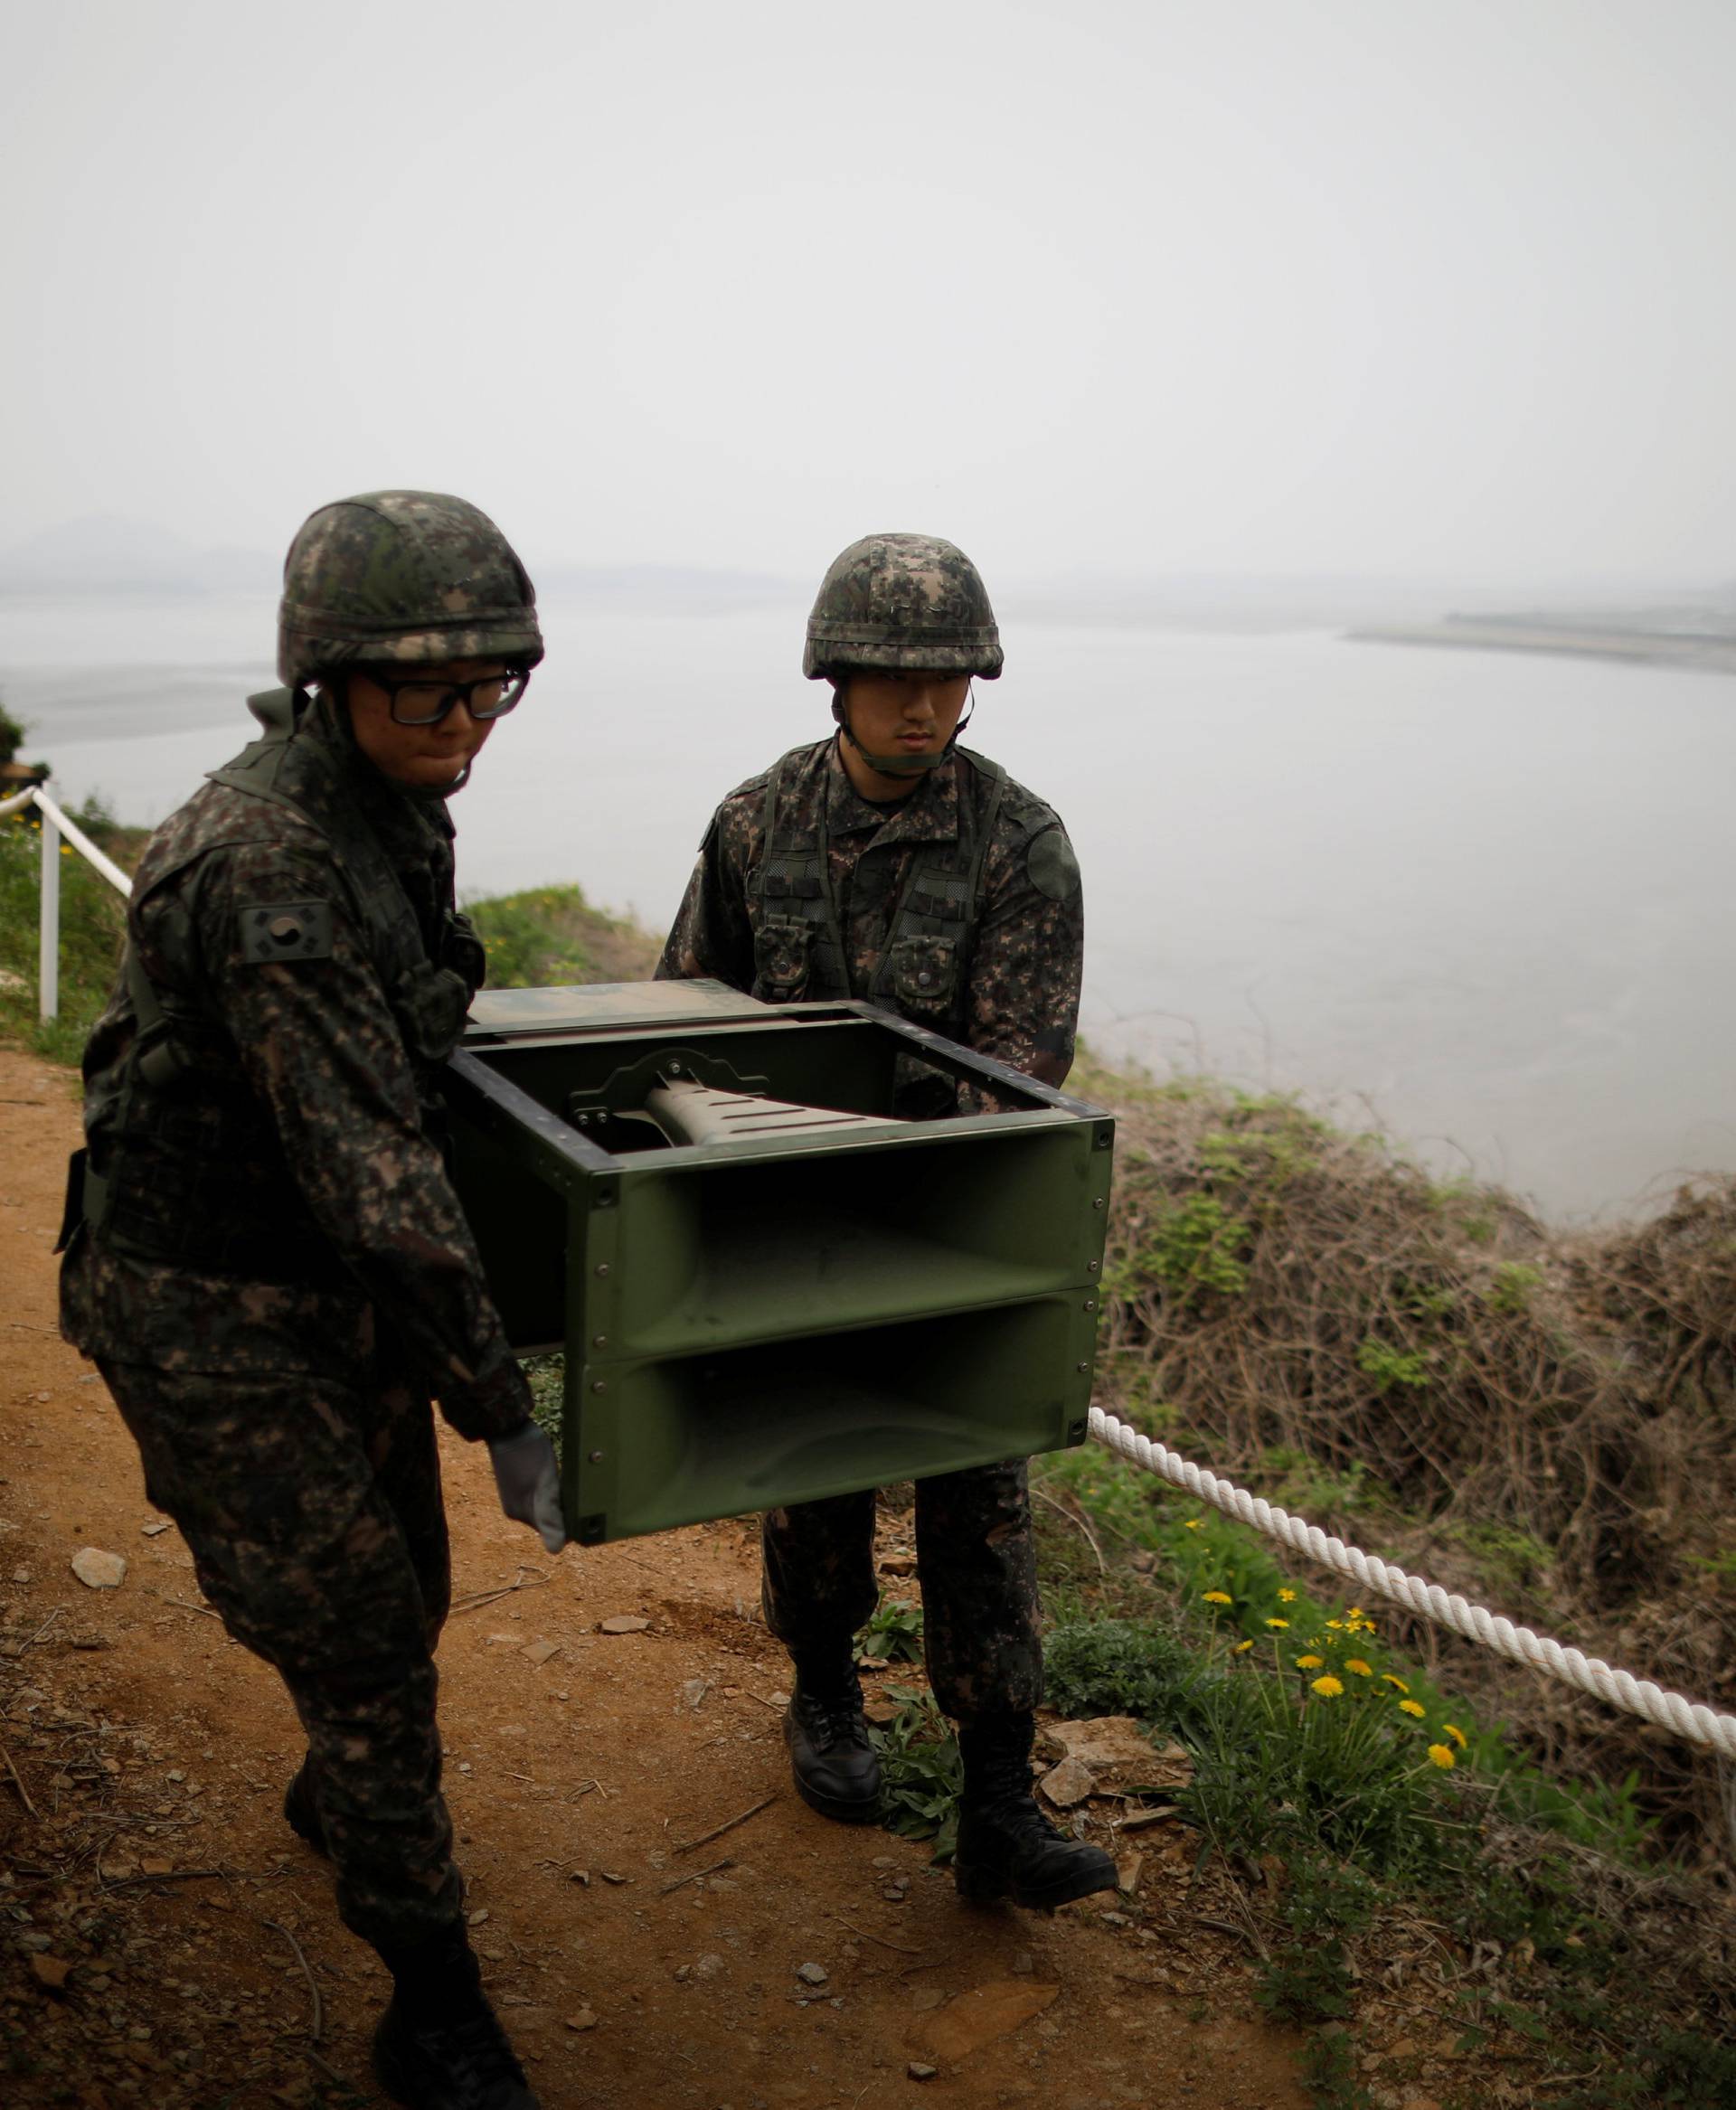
x=438 y=2046
x=838 y=1772
x=301 y=1809
x=1007 y=1847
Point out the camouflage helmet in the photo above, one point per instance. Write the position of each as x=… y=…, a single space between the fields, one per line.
x=402 y=576
x=902 y=601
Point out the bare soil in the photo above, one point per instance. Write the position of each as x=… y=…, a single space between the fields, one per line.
x=164 y=1939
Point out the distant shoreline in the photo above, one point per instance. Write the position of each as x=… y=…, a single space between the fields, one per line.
x=1700 y=651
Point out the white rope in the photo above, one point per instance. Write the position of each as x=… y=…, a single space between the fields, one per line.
x=1686 y=1718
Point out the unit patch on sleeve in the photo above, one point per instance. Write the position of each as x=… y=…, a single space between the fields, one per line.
x=1053 y=869
x=286 y=930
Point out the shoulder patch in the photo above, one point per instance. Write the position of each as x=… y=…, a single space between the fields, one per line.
x=1050 y=865
x=286 y=930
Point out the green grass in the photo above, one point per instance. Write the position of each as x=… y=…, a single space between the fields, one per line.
x=1321 y=1753
x=93 y=920
x=551 y=937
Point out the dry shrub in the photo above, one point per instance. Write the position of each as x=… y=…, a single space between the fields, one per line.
x=1275 y=1284
x=1669 y=1286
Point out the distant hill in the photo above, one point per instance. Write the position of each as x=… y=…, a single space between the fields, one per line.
x=105 y=554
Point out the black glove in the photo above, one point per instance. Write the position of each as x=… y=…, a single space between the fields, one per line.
x=528 y=1475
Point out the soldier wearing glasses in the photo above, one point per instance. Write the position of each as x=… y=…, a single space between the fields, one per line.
x=267 y=1258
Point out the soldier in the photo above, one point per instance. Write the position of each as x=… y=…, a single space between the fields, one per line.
x=267 y=1258
x=889 y=863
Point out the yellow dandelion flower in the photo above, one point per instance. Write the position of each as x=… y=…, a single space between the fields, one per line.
x=1355 y=1612
x=1192 y=1523
x=1337 y=1626
x=1278 y=1623
x=1359 y=1666
x=1310 y=1663
x=1218 y=1597
x=1328 y=1687
x=1242 y=1648
x=1391 y=1679
x=1456 y=1733
x=1411 y=1707
x=1287 y=1597
x=1443 y=1756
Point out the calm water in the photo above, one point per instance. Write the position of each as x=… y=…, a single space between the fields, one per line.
x=1482 y=899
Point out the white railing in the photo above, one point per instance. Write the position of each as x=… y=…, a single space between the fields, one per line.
x=56 y=824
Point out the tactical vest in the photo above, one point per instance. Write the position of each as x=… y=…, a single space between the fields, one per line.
x=187 y=1119
x=924 y=972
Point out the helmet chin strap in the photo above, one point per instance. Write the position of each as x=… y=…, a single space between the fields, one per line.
x=903 y=764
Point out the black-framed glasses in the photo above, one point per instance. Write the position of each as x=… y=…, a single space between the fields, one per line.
x=414 y=702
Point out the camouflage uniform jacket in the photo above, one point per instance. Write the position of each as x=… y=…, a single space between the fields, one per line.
x=286 y=1178
x=959 y=909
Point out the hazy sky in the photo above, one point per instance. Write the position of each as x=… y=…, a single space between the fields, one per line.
x=1271 y=285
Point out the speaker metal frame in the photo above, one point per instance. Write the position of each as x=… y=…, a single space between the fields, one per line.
x=757 y=1323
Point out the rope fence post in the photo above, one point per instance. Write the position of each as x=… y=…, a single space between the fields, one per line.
x=59 y=832
x=48 y=951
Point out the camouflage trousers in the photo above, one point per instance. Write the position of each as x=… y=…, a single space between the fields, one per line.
x=978 y=1570
x=313 y=1513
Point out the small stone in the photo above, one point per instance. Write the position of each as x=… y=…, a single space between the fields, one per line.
x=156 y=1530
x=884 y=1861
x=542 y=1651
x=1025 y=1962
x=919 y=2072
x=583 y=2019
x=580 y=1876
x=50 y=1973
x=898 y=1563
x=812 y=1973
x=927 y=1997
x=478 y=1916
x=624 y=1623
x=693 y=1691
x=97 y=1571
x=1070 y=1783
x=1115 y=1919
x=709 y=1966
x=610 y=1876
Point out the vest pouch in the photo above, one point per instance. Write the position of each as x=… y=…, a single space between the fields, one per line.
x=782 y=957
x=462 y=950
x=925 y=976
x=430 y=1005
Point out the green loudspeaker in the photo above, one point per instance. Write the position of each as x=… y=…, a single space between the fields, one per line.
x=768 y=1284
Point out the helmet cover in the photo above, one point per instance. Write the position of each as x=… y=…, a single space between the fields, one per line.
x=896 y=601
x=402 y=577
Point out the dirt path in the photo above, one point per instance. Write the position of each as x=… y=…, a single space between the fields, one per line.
x=166 y=1940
